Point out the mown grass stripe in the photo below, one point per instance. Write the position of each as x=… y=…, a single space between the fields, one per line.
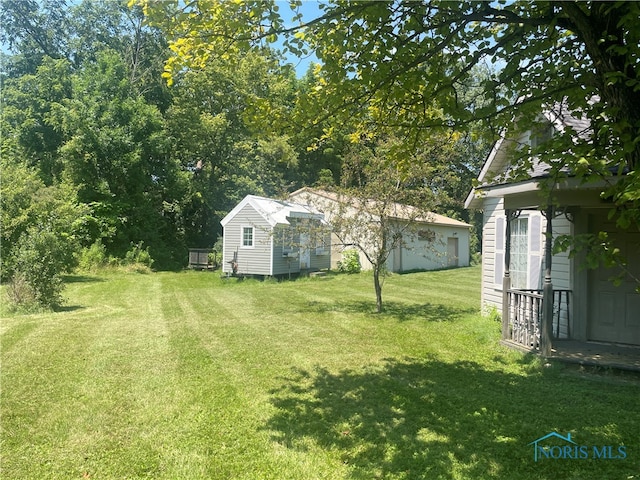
x=187 y=376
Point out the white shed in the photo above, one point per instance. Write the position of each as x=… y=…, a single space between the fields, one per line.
x=433 y=242
x=264 y=236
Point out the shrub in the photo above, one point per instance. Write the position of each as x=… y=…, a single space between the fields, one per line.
x=20 y=293
x=493 y=314
x=138 y=258
x=38 y=262
x=350 y=262
x=94 y=257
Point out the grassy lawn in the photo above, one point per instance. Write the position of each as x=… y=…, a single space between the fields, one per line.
x=187 y=376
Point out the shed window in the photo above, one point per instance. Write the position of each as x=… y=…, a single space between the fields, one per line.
x=247 y=236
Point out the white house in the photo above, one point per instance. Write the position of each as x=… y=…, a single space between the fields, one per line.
x=433 y=241
x=263 y=236
x=582 y=304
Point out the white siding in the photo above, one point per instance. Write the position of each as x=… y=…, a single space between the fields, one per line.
x=491 y=295
x=492 y=273
x=421 y=254
x=561 y=272
x=254 y=260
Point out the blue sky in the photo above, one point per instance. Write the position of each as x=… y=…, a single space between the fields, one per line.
x=310 y=9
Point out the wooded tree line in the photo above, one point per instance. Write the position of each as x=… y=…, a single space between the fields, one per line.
x=412 y=66
x=98 y=149
x=138 y=126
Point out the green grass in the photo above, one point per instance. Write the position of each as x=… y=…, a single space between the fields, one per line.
x=187 y=376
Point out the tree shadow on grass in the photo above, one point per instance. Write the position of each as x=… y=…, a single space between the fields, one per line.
x=421 y=418
x=400 y=311
x=81 y=279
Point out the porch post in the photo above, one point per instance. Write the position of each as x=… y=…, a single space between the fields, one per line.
x=547 y=289
x=506 y=278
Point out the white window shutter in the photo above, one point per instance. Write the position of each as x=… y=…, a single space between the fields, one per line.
x=498 y=258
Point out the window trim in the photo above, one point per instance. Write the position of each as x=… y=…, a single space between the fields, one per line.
x=243 y=228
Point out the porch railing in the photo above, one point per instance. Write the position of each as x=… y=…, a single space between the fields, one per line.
x=525 y=316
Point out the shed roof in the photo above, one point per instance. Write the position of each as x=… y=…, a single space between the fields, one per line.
x=275 y=212
x=397 y=210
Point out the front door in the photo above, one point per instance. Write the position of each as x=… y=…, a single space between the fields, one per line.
x=614 y=311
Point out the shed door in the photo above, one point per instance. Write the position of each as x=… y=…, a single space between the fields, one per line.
x=452 y=251
x=397 y=258
x=305 y=252
x=615 y=311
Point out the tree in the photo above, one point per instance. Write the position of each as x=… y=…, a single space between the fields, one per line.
x=390 y=63
x=117 y=155
x=30 y=135
x=83 y=104
x=383 y=199
x=229 y=148
x=42 y=228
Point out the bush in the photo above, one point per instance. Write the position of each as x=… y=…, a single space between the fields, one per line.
x=94 y=257
x=138 y=258
x=350 y=262
x=20 y=293
x=493 y=314
x=38 y=262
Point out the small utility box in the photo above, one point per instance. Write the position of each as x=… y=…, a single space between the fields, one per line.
x=199 y=259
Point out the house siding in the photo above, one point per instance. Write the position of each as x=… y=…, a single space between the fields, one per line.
x=493 y=251
x=491 y=295
x=254 y=260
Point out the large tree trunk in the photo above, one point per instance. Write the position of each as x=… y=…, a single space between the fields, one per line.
x=616 y=72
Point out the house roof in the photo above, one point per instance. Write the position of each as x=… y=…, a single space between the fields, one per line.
x=275 y=212
x=397 y=210
x=561 y=118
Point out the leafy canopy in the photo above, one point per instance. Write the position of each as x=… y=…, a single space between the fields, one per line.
x=404 y=65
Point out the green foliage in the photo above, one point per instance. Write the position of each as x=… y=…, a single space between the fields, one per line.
x=325 y=178
x=593 y=250
x=423 y=69
x=138 y=258
x=87 y=114
x=494 y=315
x=93 y=258
x=28 y=206
x=215 y=257
x=350 y=262
x=37 y=262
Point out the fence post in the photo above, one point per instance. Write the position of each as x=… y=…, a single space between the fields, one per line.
x=506 y=278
